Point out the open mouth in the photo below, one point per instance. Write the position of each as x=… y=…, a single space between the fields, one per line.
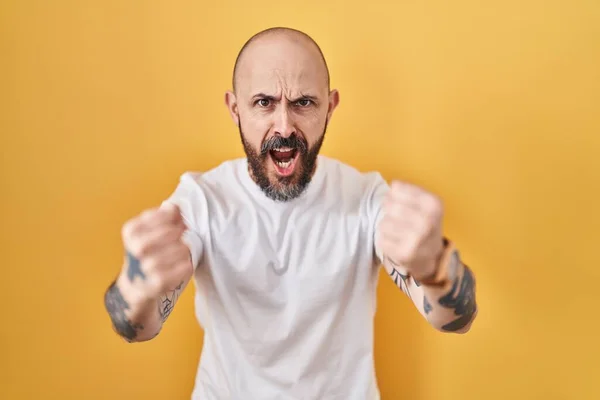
x=284 y=160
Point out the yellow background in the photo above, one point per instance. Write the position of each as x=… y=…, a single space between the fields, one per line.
x=494 y=105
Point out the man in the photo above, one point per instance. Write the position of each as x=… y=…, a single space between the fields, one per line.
x=284 y=246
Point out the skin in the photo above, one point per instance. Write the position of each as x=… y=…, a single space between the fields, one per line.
x=281 y=90
x=156 y=269
x=411 y=239
x=287 y=67
x=282 y=97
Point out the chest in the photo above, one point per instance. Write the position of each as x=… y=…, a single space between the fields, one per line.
x=293 y=254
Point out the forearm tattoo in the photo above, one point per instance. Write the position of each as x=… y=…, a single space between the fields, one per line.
x=116 y=305
x=461 y=298
x=167 y=302
x=400 y=280
x=426 y=305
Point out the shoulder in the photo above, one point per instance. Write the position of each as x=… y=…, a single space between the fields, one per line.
x=350 y=180
x=197 y=192
x=213 y=179
x=342 y=169
x=351 y=190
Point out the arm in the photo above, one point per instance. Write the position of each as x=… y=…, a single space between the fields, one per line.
x=448 y=303
x=157 y=268
x=424 y=264
x=134 y=317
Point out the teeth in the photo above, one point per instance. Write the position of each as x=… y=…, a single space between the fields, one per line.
x=282 y=149
x=283 y=164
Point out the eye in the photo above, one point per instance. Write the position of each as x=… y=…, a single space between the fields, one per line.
x=263 y=102
x=304 y=102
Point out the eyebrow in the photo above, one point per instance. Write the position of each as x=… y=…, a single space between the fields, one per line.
x=273 y=98
x=263 y=96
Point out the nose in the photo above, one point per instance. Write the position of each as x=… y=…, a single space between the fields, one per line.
x=284 y=123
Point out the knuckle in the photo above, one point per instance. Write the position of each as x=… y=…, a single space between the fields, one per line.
x=170 y=213
x=410 y=247
x=398 y=254
x=128 y=228
x=163 y=282
x=422 y=229
x=435 y=219
x=394 y=210
x=148 y=213
x=384 y=224
x=156 y=283
x=152 y=263
x=387 y=231
x=168 y=239
x=133 y=246
x=143 y=247
x=161 y=214
x=396 y=185
x=434 y=204
x=427 y=231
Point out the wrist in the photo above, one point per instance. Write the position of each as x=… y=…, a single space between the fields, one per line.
x=446 y=266
x=133 y=293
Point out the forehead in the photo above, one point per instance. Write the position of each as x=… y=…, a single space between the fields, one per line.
x=284 y=64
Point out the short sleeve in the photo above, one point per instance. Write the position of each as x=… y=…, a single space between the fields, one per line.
x=190 y=199
x=378 y=190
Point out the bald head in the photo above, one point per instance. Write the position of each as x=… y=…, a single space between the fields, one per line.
x=281 y=100
x=264 y=47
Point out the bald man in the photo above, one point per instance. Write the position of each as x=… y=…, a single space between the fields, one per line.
x=285 y=246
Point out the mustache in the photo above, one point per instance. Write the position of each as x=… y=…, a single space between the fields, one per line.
x=293 y=142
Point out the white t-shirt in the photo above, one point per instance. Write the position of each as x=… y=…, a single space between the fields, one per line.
x=285 y=292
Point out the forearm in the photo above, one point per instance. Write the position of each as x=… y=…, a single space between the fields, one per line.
x=156 y=268
x=411 y=243
x=452 y=307
x=449 y=308
x=133 y=317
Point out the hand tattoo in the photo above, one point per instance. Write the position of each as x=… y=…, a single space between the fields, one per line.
x=133 y=267
x=461 y=298
x=116 y=305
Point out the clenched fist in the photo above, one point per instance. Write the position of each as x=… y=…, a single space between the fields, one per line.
x=157 y=258
x=410 y=232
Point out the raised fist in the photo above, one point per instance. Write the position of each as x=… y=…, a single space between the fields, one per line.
x=411 y=229
x=157 y=259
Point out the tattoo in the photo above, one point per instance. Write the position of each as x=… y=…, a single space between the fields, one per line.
x=426 y=305
x=400 y=280
x=167 y=302
x=116 y=305
x=133 y=267
x=462 y=299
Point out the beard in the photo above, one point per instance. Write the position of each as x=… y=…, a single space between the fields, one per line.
x=283 y=188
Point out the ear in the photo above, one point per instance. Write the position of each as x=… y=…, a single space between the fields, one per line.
x=232 y=106
x=334 y=100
